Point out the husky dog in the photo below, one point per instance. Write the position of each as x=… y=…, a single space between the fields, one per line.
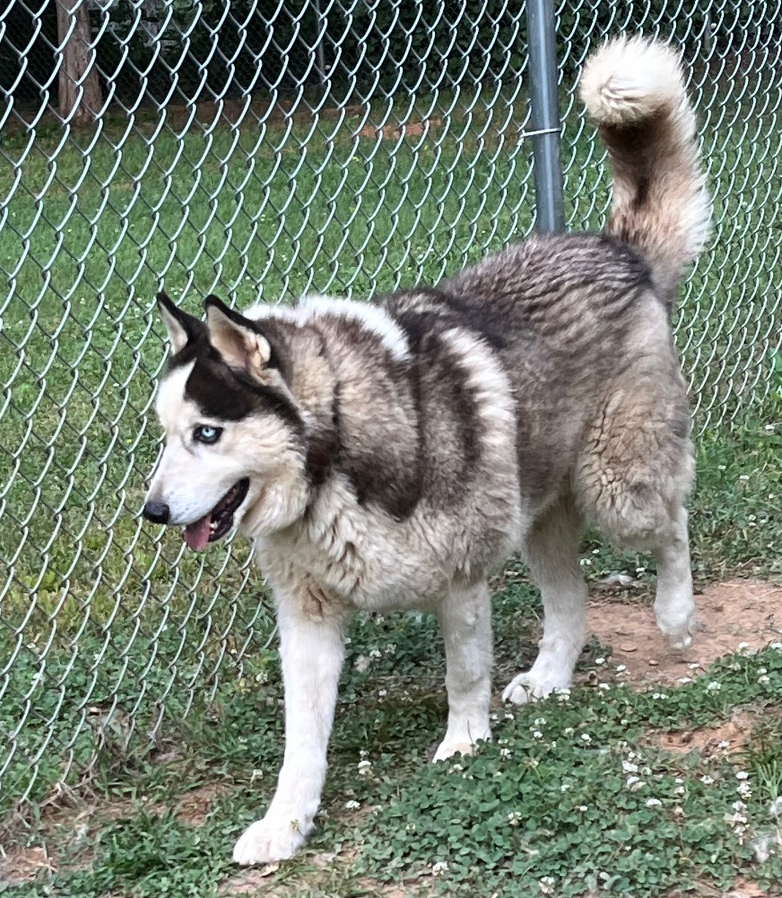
x=390 y=454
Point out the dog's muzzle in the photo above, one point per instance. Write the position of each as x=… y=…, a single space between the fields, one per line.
x=157 y=512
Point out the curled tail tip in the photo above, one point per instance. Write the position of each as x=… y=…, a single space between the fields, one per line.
x=630 y=79
x=634 y=89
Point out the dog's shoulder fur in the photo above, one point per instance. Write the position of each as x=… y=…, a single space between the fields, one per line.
x=410 y=415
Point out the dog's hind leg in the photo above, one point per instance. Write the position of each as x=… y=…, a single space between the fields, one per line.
x=674 y=606
x=465 y=619
x=552 y=556
x=633 y=481
x=312 y=651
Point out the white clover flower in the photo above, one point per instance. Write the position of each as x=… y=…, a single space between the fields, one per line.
x=564 y=787
x=364 y=768
x=713 y=686
x=546 y=884
x=679 y=790
x=439 y=868
x=742 y=775
x=653 y=803
x=537 y=734
x=629 y=767
x=505 y=752
x=352 y=805
x=539 y=721
x=707 y=780
x=583 y=808
x=764 y=680
x=514 y=818
x=585 y=737
x=744 y=789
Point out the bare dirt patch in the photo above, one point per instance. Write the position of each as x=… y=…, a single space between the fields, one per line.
x=401 y=130
x=195 y=806
x=24 y=866
x=737 y=614
x=731 y=736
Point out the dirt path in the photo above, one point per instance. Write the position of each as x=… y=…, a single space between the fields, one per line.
x=732 y=616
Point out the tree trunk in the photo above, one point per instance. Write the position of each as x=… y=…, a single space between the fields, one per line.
x=80 y=96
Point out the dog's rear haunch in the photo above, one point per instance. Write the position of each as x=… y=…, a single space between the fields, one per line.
x=390 y=454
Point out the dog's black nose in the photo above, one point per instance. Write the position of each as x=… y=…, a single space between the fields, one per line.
x=157 y=512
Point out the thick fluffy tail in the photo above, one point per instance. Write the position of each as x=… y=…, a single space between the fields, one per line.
x=634 y=90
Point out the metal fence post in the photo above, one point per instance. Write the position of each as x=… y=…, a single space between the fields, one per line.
x=541 y=35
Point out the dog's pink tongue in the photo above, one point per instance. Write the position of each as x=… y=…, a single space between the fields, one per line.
x=197 y=535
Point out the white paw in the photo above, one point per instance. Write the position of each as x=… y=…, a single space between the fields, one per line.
x=679 y=632
x=448 y=749
x=266 y=841
x=527 y=687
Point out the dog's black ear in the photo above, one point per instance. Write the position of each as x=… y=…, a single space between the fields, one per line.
x=182 y=327
x=237 y=339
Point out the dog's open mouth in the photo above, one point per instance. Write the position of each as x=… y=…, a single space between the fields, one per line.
x=218 y=522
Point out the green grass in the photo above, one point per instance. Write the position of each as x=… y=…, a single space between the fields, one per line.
x=131 y=674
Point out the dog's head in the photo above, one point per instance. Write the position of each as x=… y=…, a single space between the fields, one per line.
x=234 y=435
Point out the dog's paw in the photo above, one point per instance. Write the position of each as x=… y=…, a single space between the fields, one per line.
x=678 y=631
x=266 y=841
x=448 y=749
x=528 y=687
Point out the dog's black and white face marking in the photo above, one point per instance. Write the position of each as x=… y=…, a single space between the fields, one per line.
x=233 y=451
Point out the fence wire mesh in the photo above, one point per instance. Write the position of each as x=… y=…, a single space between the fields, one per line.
x=262 y=149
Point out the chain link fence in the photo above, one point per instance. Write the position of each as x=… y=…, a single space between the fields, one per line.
x=254 y=149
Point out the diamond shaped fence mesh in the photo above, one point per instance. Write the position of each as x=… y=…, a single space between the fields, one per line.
x=260 y=149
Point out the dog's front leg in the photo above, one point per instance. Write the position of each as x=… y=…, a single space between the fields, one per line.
x=465 y=619
x=312 y=651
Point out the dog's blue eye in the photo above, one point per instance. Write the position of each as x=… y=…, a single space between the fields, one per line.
x=206 y=434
